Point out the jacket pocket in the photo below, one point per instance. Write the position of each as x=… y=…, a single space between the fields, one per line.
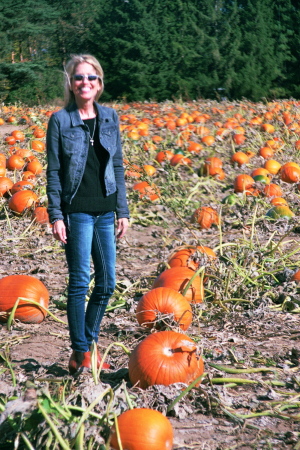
x=72 y=142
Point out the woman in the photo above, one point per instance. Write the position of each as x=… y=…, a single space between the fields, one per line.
x=86 y=188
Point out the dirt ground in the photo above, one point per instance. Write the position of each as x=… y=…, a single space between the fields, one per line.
x=210 y=416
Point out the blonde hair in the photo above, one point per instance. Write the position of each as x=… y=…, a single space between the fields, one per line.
x=69 y=72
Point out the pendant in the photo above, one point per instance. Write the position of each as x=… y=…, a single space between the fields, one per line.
x=92 y=142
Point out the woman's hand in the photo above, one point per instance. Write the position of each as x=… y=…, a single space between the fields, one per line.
x=59 y=231
x=122 y=226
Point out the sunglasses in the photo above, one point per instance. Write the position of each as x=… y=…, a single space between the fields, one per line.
x=79 y=77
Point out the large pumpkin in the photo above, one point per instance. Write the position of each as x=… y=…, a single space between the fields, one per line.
x=164 y=301
x=177 y=278
x=22 y=200
x=14 y=286
x=143 y=429
x=164 y=357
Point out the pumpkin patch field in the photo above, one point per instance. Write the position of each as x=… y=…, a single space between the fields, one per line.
x=202 y=334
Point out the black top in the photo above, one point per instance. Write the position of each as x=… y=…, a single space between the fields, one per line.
x=91 y=195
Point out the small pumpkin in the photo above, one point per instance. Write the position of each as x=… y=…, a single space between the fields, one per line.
x=18 y=135
x=205 y=217
x=21 y=186
x=290 y=174
x=14 y=286
x=280 y=212
x=6 y=185
x=40 y=215
x=243 y=182
x=147 y=191
x=296 y=276
x=164 y=301
x=272 y=166
x=208 y=140
x=239 y=139
x=38 y=146
x=272 y=190
x=266 y=152
x=278 y=201
x=165 y=357
x=35 y=167
x=240 y=158
x=260 y=171
x=212 y=165
x=177 y=278
x=15 y=162
x=143 y=429
x=164 y=156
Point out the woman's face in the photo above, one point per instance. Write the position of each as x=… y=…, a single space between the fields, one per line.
x=85 y=89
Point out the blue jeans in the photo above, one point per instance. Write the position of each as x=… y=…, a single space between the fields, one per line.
x=89 y=235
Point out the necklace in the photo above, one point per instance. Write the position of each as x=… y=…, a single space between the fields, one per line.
x=92 y=136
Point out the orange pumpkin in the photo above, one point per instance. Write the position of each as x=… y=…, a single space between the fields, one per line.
x=205 y=217
x=143 y=429
x=14 y=286
x=2 y=159
x=266 y=152
x=6 y=185
x=164 y=156
x=21 y=186
x=260 y=171
x=278 y=201
x=177 y=278
x=18 y=135
x=272 y=166
x=35 y=167
x=239 y=139
x=272 y=190
x=147 y=191
x=22 y=200
x=194 y=147
x=37 y=145
x=189 y=257
x=15 y=162
x=296 y=276
x=268 y=128
x=208 y=140
x=243 y=183
x=165 y=357
x=163 y=301
x=29 y=176
x=240 y=158
x=290 y=174
x=180 y=159
x=40 y=215
x=39 y=133
x=212 y=166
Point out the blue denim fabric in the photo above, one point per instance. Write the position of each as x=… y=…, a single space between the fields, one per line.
x=89 y=235
x=67 y=150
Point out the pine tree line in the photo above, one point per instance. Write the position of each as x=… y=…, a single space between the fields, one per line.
x=153 y=49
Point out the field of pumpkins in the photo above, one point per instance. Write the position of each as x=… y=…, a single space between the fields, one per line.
x=202 y=334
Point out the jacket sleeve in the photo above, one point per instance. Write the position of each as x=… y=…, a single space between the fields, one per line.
x=54 y=169
x=122 y=206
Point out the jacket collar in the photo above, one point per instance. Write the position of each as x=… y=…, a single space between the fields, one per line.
x=75 y=116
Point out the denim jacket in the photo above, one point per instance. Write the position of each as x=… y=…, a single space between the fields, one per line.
x=67 y=151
